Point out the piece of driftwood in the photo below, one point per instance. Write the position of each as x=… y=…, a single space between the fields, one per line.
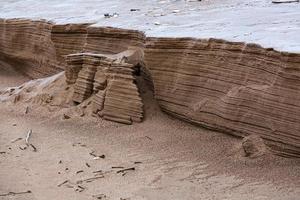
x=148 y=137
x=79 y=188
x=28 y=137
x=99 y=196
x=99 y=171
x=89 y=179
x=66 y=181
x=33 y=147
x=15 y=140
x=285 y=1
x=26 y=110
x=15 y=193
x=92 y=154
x=117 y=167
x=96 y=156
x=23 y=148
x=27 y=141
x=127 y=169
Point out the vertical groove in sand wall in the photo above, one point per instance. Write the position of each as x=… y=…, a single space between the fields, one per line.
x=235 y=88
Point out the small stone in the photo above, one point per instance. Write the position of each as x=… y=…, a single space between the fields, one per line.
x=102 y=156
x=253 y=146
x=115 y=15
x=134 y=9
x=65 y=116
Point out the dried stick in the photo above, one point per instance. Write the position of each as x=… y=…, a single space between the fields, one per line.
x=34 y=148
x=62 y=183
x=15 y=140
x=88 y=179
x=15 y=193
x=28 y=136
x=124 y=170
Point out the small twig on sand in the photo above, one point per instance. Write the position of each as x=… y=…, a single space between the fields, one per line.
x=117 y=167
x=14 y=193
x=92 y=154
x=33 y=147
x=15 y=140
x=80 y=188
x=148 y=137
x=26 y=110
x=80 y=171
x=89 y=179
x=23 y=148
x=87 y=164
x=127 y=169
x=2 y=152
x=280 y=1
x=96 y=156
x=27 y=141
x=137 y=162
x=99 y=196
x=99 y=171
x=66 y=181
x=28 y=136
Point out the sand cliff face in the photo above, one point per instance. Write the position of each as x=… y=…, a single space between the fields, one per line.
x=27 y=45
x=38 y=48
x=236 y=88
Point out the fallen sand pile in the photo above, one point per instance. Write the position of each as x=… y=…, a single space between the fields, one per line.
x=51 y=97
x=51 y=92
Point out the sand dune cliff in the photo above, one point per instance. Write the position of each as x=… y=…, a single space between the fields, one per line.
x=235 y=88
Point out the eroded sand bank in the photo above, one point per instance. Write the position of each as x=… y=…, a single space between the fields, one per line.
x=172 y=159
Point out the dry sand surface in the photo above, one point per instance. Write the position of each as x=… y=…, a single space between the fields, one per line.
x=171 y=159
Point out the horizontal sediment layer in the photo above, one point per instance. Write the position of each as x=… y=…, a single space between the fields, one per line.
x=232 y=87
